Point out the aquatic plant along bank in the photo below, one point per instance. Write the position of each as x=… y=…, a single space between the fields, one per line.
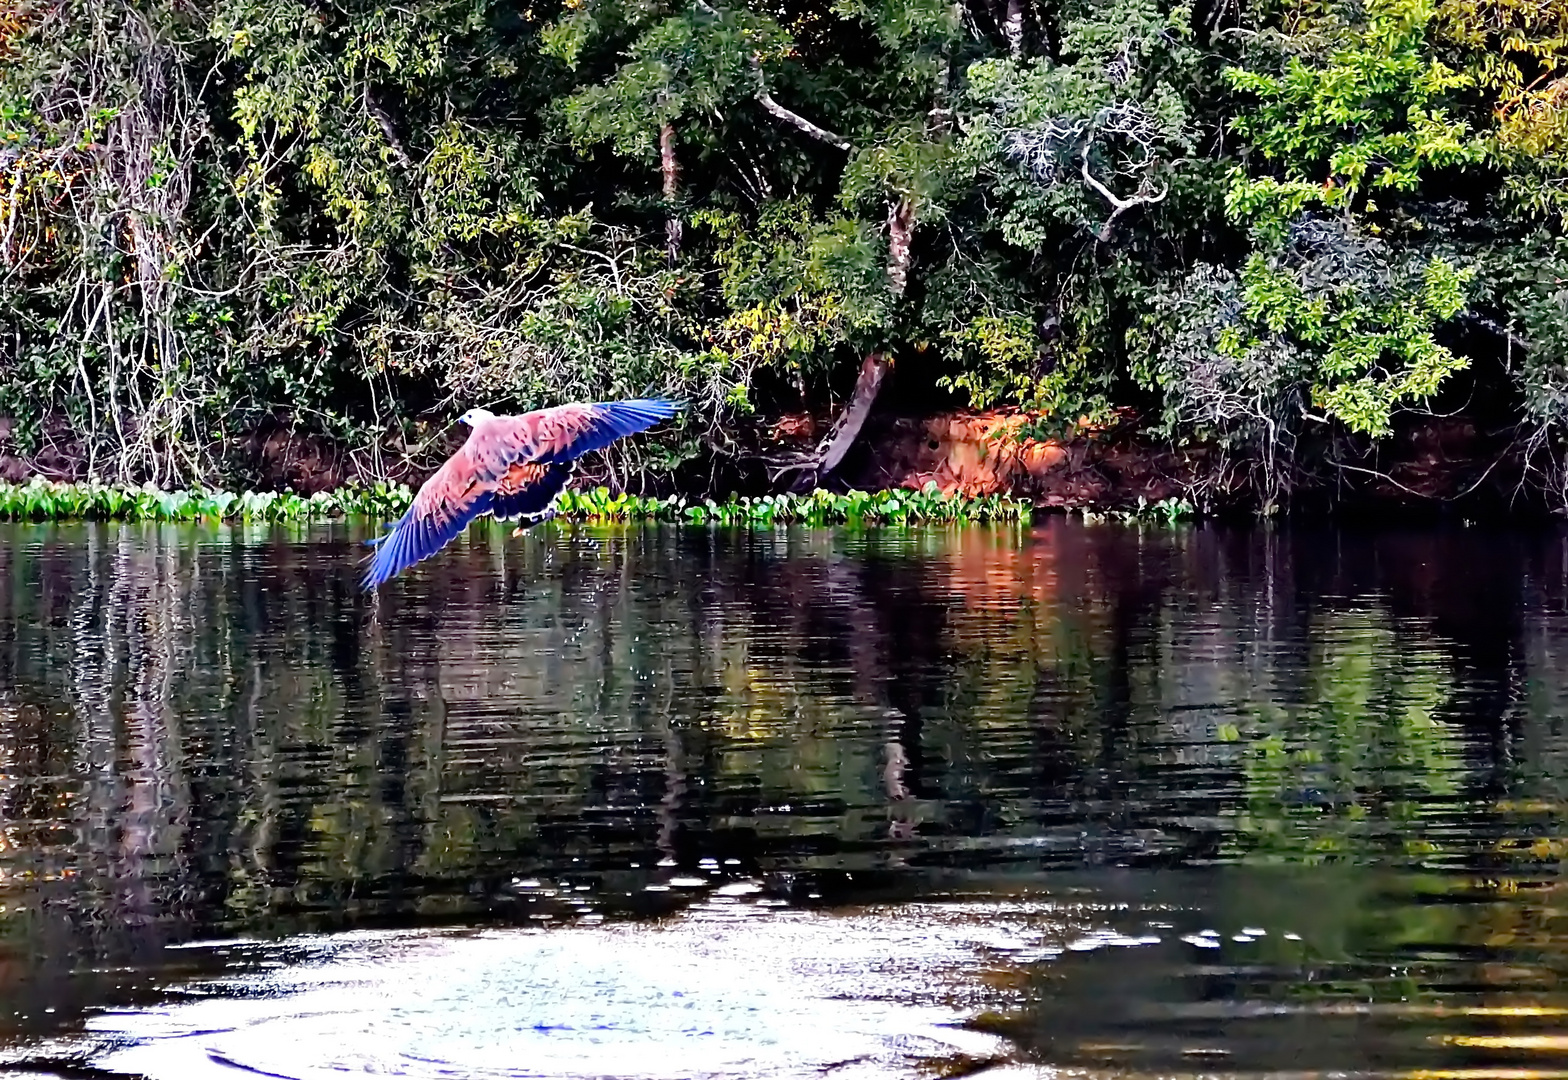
x=43 y=500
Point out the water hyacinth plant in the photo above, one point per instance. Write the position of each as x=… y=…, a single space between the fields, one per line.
x=1169 y=511
x=42 y=500
x=895 y=507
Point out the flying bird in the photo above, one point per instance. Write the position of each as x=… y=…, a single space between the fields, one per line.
x=511 y=467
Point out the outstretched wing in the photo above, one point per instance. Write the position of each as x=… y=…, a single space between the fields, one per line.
x=511 y=466
x=526 y=491
x=446 y=503
x=567 y=432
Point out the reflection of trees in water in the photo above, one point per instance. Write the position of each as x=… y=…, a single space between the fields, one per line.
x=199 y=728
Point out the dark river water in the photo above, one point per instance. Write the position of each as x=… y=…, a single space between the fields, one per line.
x=1016 y=802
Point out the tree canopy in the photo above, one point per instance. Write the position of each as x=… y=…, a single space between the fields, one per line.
x=1252 y=224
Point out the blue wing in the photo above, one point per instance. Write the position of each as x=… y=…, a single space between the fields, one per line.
x=417 y=537
x=575 y=430
x=534 y=499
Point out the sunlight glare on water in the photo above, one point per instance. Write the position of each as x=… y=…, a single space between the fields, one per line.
x=863 y=994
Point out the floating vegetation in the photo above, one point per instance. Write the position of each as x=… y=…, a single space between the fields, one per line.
x=42 y=500
x=1165 y=511
x=899 y=506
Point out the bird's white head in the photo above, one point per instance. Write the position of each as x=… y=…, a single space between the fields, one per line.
x=475 y=417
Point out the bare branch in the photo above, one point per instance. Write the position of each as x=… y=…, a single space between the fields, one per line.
x=766 y=100
x=378 y=114
x=1118 y=206
x=794 y=119
x=1045 y=150
x=1511 y=339
x=1039 y=149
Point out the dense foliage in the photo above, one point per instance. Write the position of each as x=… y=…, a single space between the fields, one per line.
x=1298 y=220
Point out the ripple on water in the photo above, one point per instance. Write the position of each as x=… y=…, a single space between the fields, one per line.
x=1330 y=764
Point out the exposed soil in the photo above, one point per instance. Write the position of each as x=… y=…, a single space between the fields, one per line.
x=58 y=458
x=982 y=453
x=1430 y=466
x=271 y=457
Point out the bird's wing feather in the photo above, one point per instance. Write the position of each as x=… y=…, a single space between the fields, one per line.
x=444 y=506
x=511 y=466
x=569 y=431
x=526 y=491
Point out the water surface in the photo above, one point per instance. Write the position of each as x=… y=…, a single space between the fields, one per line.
x=686 y=802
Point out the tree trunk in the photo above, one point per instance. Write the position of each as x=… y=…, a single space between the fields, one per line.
x=1013 y=29
x=847 y=428
x=671 y=169
x=831 y=450
x=900 y=227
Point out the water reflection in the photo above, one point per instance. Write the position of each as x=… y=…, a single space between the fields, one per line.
x=1351 y=738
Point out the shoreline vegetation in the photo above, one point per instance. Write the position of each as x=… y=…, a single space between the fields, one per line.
x=1295 y=256
x=41 y=500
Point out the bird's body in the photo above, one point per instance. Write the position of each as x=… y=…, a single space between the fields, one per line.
x=511 y=467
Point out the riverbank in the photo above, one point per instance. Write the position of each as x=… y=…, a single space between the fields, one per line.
x=943 y=466
x=1429 y=467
